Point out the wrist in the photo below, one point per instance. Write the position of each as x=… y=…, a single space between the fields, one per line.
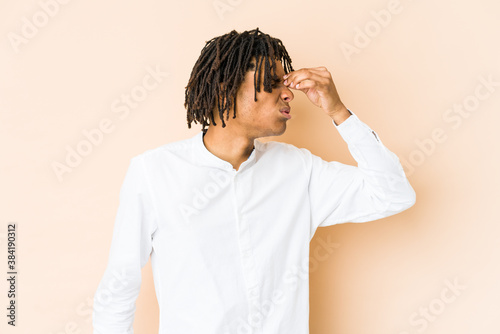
x=340 y=114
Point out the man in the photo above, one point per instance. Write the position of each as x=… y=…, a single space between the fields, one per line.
x=227 y=219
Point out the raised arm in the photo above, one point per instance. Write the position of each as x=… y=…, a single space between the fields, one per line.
x=375 y=189
x=340 y=193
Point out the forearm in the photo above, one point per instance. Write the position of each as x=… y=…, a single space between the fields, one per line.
x=381 y=168
x=340 y=115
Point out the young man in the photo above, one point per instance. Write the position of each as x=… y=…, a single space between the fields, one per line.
x=226 y=218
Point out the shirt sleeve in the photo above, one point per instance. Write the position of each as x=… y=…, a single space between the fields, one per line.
x=131 y=246
x=376 y=188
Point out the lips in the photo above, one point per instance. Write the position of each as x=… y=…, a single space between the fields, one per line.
x=286 y=112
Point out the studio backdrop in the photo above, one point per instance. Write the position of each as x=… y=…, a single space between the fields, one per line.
x=87 y=85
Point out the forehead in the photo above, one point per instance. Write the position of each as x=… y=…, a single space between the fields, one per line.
x=253 y=67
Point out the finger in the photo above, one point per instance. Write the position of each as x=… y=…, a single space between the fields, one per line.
x=304 y=85
x=306 y=73
x=297 y=78
x=321 y=70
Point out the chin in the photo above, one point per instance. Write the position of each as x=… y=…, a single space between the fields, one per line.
x=280 y=131
x=276 y=129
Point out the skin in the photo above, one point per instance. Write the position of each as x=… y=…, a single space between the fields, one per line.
x=262 y=118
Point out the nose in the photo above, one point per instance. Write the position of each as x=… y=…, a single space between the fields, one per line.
x=286 y=94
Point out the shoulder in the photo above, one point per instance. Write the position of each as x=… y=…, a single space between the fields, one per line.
x=178 y=147
x=284 y=152
x=281 y=147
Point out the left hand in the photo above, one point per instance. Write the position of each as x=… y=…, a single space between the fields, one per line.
x=317 y=84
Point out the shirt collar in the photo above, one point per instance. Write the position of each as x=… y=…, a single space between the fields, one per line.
x=207 y=158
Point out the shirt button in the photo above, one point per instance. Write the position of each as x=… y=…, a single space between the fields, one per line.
x=254 y=291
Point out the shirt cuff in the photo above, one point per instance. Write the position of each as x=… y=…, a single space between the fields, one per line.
x=353 y=129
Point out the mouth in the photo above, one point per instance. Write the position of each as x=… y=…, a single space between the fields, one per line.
x=286 y=112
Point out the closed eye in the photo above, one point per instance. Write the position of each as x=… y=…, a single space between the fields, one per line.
x=276 y=82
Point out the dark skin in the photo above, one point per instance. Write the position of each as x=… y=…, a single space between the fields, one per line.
x=263 y=118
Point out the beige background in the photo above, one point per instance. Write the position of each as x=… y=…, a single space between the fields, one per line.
x=427 y=58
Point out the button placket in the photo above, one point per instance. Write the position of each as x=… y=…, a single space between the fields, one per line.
x=248 y=260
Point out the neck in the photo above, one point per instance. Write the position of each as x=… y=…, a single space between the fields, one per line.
x=229 y=145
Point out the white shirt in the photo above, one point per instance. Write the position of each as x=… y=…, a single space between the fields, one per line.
x=226 y=244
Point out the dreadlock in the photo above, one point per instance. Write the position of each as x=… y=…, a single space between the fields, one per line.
x=221 y=69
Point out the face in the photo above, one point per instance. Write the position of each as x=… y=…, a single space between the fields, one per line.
x=260 y=118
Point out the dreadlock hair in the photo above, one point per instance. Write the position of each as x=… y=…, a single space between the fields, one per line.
x=221 y=68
